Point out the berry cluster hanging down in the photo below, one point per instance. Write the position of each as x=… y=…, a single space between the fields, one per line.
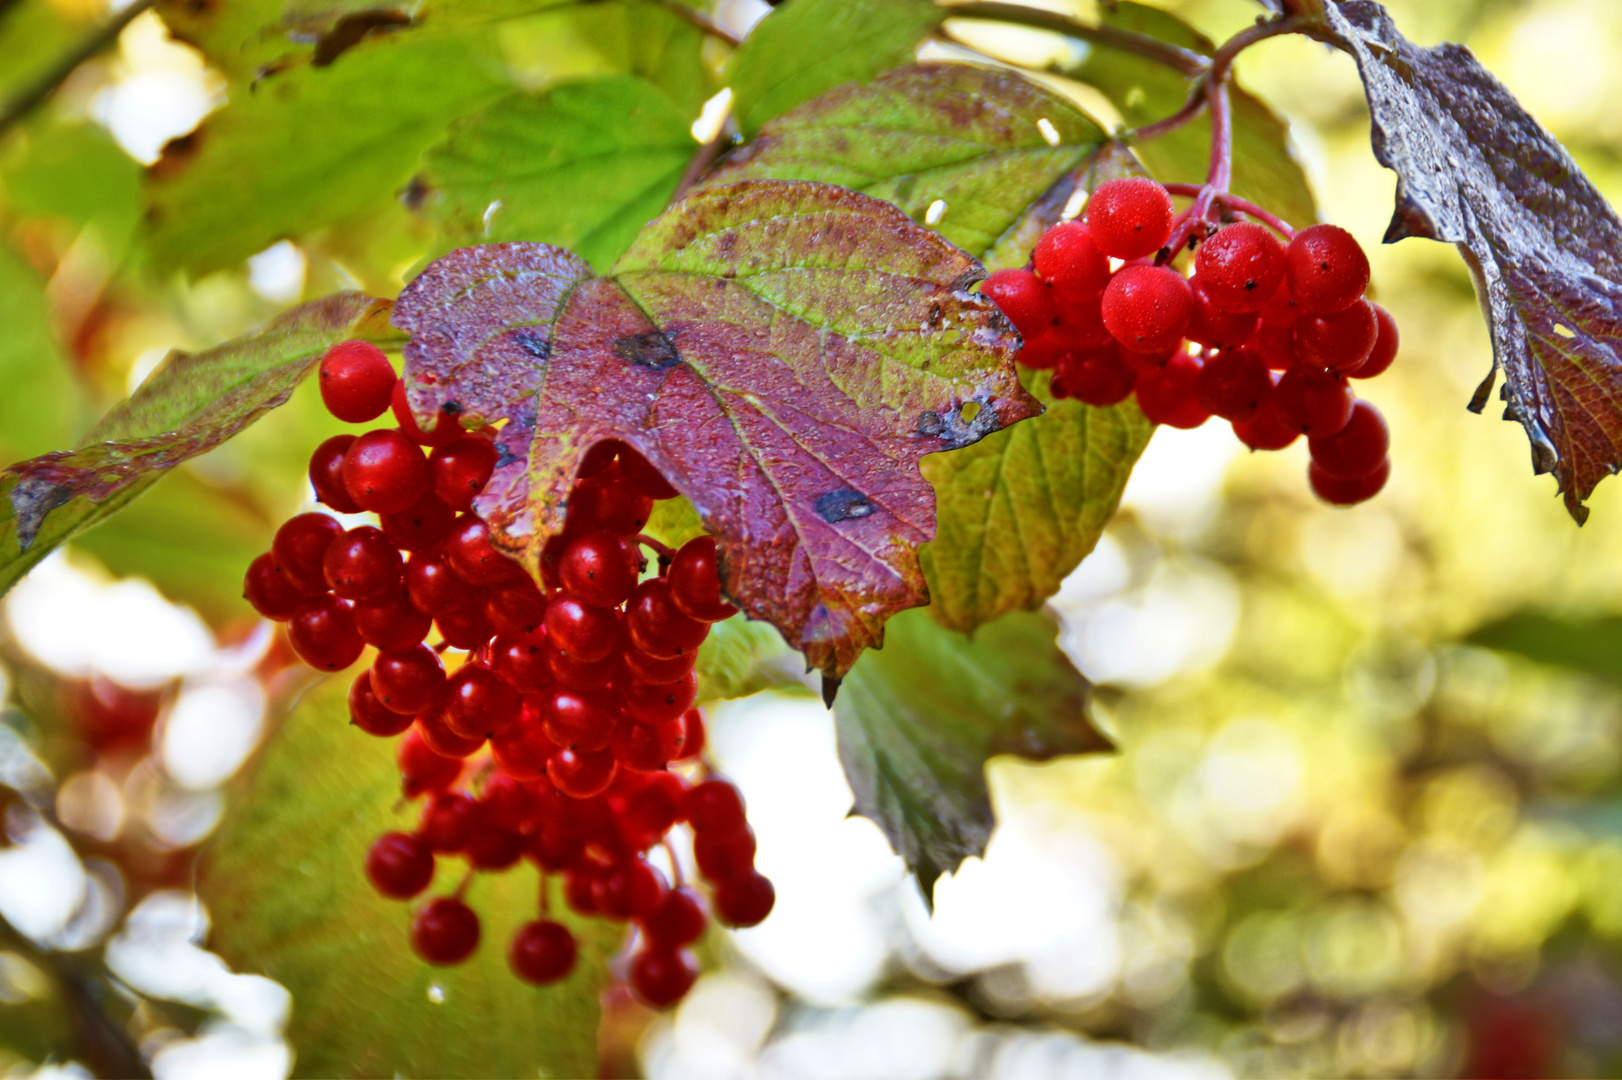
x=544 y=721
x=1264 y=334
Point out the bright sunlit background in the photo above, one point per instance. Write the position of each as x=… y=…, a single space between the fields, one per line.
x=1337 y=841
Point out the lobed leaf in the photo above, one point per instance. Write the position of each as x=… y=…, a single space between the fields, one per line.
x=783 y=352
x=583 y=166
x=918 y=720
x=1474 y=169
x=189 y=405
x=807 y=46
x=284 y=882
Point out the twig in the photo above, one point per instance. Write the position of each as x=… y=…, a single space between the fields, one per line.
x=1186 y=61
x=699 y=164
x=694 y=17
x=1235 y=204
x=33 y=95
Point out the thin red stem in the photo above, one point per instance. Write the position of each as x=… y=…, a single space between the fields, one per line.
x=664 y=551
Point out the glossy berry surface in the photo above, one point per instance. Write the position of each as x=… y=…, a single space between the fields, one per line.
x=1314 y=403
x=695 y=582
x=1355 y=451
x=371 y=715
x=1326 y=269
x=1068 y=260
x=1148 y=308
x=445 y=931
x=384 y=471
x=661 y=977
x=361 y=564
x=356 y=381
x=599 y=569
x=1339 y=342
x=1129 y=217
x=323 y=633
x=1023 y=298
x=1386 y=343
x=542 y=952
x=1339 y=492
x=1241 y=267
x=399 y=866
x=461 y=468
x=745 y=900
x=300 y=549
x=1234 y=385
x=1170 y=394
x=327 y=474
x=269 y=591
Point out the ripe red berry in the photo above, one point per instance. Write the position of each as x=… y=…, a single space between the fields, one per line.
x=445 y=931
x=327 y=474
x=494 y=849
x=361 y=564
x=448 y=821
x=745 y=900
x=632 y=889
x=1068 y=259
x=299 y=547
x=1241 y=267
x=1234 y=385
x=542 y=952
x=461 y=468
x=1129 y=217
x=522 y=751
x=1170 y=395
x=466 y=627
x=654 y=807
x=1081 y=324
x=385 y=472
x=1098 y=377
x=659 y=703
x=1267 y=430
x=693 y=739
x=724 y=856
x=714 y=806
x=584 y=632
x=641 y=477
x=661 y=977
x=519 y=660
x=581 y=674
x=1348 y=492
x=474 y=558
x=356 y=381
x=438 y=735
x=657 y=626
x=648 y=747
x=399 y=866
x=1326 y=269
x=422 y=526
x=1341 y=341
x=1281 y=310
x=370 y=714
x=644 y=668
x=268 y=590
x=510 y=804
x=679 y=919
x=477 y=704
x=431 y=585
x=1148 y=308
x=1315 y=403
x=599 y=569
x=1042 y=351
x=446 y=429
x=1357 y=449
x=1215 y=327
x=580 y=774
x=695 y=582
x=422 y=768
x=1385 y=346
x=518 y=608
x=1023 y=298
x=323 y=633
x=391 y=622
x=607 y=501
x=583 y=719
x=408 y=680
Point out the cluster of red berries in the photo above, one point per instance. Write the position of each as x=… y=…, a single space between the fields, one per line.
x=552 y=737
x=1265 y=335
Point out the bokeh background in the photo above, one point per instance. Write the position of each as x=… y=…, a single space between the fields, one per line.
x=1366 y=817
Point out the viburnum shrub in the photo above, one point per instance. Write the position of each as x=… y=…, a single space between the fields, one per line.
x=551 y=721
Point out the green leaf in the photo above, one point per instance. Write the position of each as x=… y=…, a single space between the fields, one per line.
x=73 y=171
x=583 y=166
x=35 y=36
x=1265 y=170
x=257 y=171
x=1592 y=644
x=41 y=406
x=964 y=135
x=807 y=46
x=1019 y=510
x=741 y=658
x=190 y=404
x=284 y=885
x=918 y=719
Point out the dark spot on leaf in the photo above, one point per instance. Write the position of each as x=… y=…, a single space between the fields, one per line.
x=350 y=29
x=415 y=193
x=841 y=505
x=533 y=343
x=650 y=350
x=451 y=408
x=931 y=424
x=177 y=153
x=31 y=500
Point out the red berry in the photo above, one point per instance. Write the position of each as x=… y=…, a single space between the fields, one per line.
x=446 y=429
x=1023 y=298
x=640 y=475
x=1341 y=341
x=1098 y=377
x=659 y=703
x=474 y=558
x=661 y=977
x=391 y=622
x=494 y=849
x=1069 y=261
x=631 y=889
x=695 y=582
x=370 y=714
x=724 y=856
x=516 y=609
x=644 y=668
x=745 y=900
x=714 y=806
x=542 y=952
x=647 y=748
x=356 y=380
x=1357 y=449
x=1241 y=267
x=408 y=680
x=445 y=931
x=1348 y=492
x=1276 y=346
x=477 y=704
x=678 y=921
x=269 y=591
x=584 y=632
x=1281 y=309
x=1081 y=324
x=1215 y=327
x=422 y=526
x=1315 y=403
x=1267 y=430
x=438 y=734
x=327 y=474
x=1234 y=385
x=692 y=743
x=431 y=585
x=607 y=501
x=581 y=674
x=580 y=774
x=599 y=569
x=1148 y=308
x=385 y=472
x=510 y=805
x=1385 y=346
x=399 y=866
x=1170 y=395
x=1042 y=351
x=299 y=547
x=583 y=719
x=448 y=821
x=1129 y=217
x=523 y=750
x=461 y=468
x=519 y=660
x=1327 y=269
x=422 y=768
x=466 y=627
x=361 y=564
x=653 y=808
x=323 y=633
x=657 y=626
